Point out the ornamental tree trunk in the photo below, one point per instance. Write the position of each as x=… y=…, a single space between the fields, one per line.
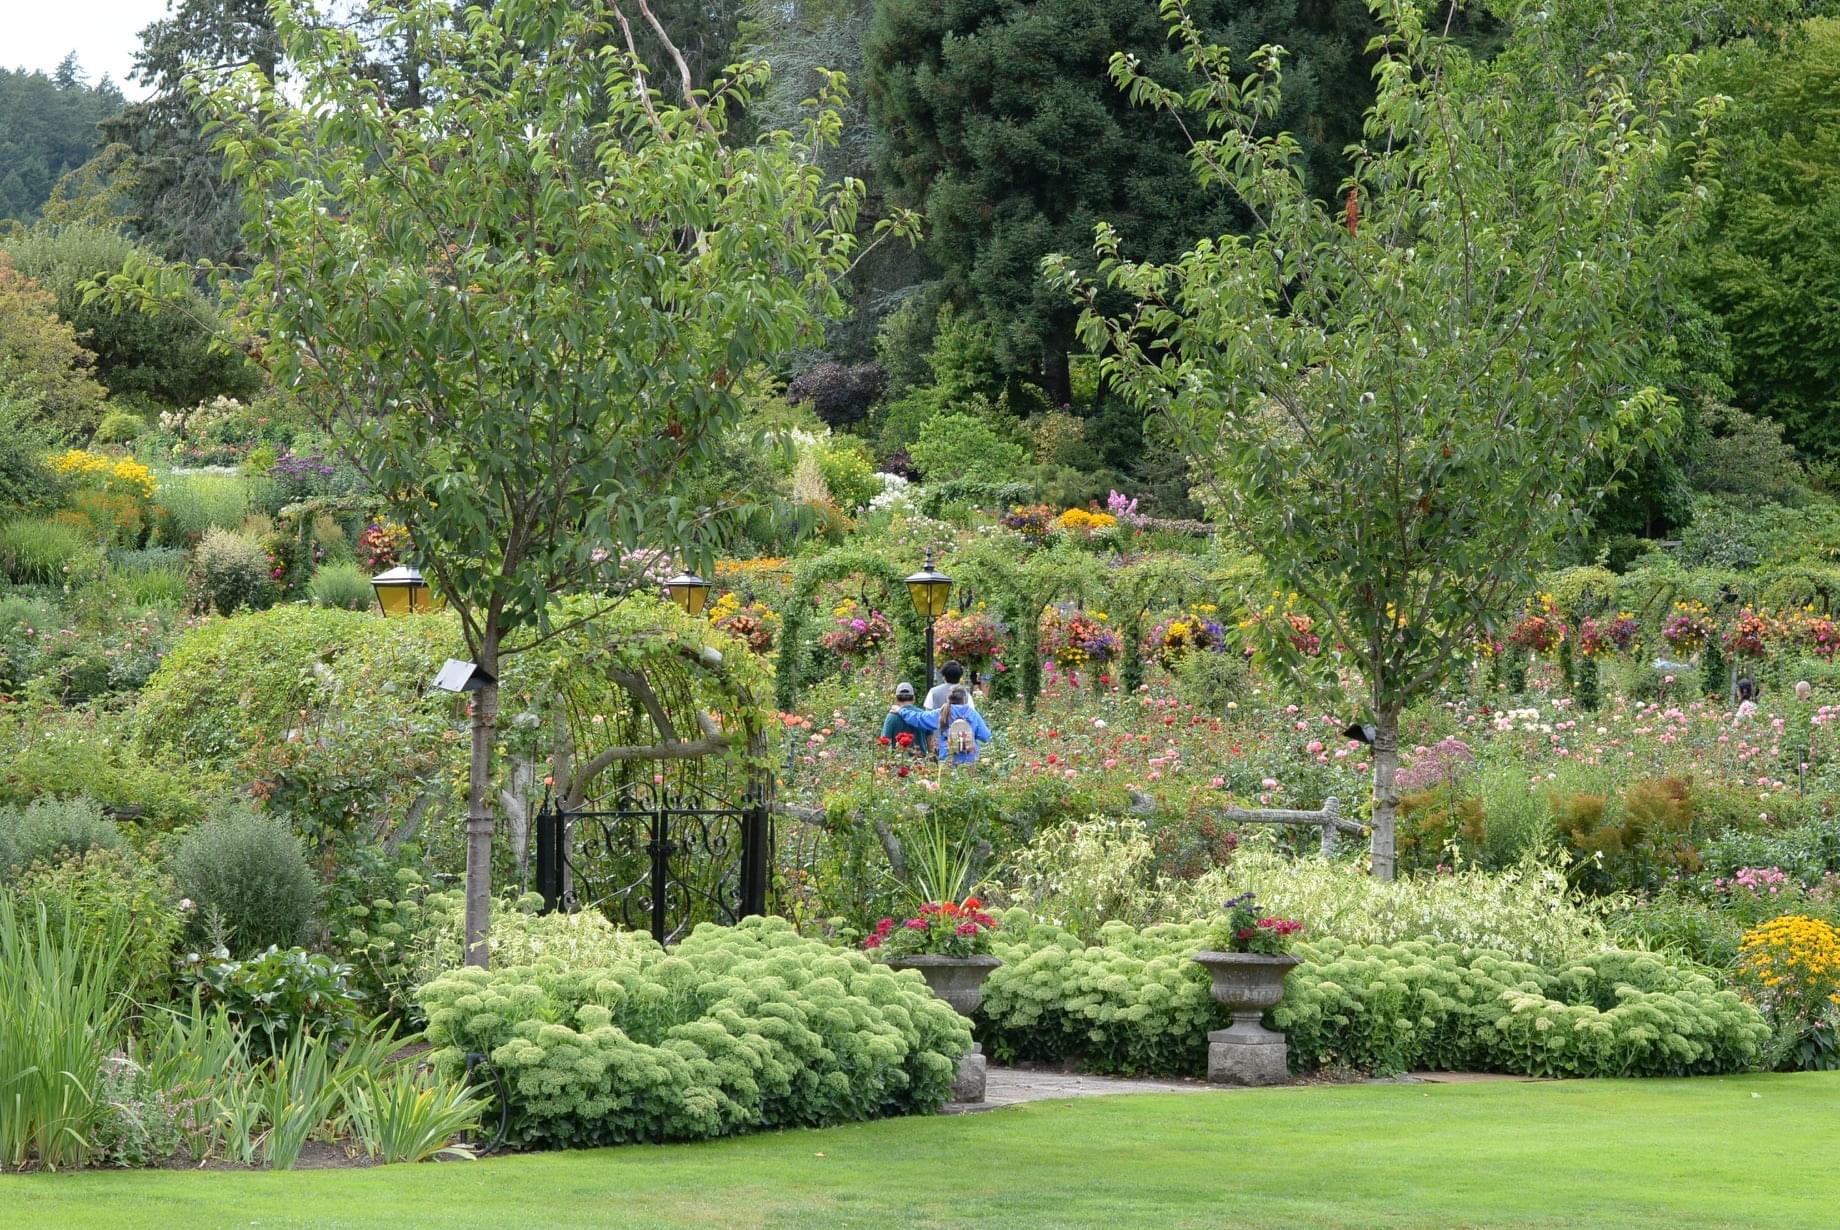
x=1386 y=799
x=479 y=813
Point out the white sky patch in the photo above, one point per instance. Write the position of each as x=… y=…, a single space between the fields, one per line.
x=36 y=34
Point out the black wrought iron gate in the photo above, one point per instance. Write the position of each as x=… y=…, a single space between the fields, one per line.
x=658 y=856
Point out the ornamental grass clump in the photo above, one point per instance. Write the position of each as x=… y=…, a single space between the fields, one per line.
x=941 y=929
x=736 y=1029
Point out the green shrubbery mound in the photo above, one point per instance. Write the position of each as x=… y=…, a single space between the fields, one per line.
x=737 y=1029
x=1134 y=1002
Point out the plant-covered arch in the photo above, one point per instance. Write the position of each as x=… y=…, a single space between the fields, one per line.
x=986 y=572
x=1165 y=579
x=836 y=565
x=641 y=689
x=1060 y=573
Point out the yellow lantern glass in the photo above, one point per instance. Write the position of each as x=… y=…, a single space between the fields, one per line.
x=689 y=592
x=402 y=591
x=929 y=589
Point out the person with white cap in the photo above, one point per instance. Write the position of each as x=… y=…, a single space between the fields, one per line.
x=896 y=724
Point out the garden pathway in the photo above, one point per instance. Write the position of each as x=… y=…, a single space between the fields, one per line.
x=1010 y=1086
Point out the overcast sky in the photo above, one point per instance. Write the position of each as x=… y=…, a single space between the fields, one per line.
x=103 y=33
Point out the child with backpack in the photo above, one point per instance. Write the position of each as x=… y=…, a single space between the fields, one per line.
x=962 y=727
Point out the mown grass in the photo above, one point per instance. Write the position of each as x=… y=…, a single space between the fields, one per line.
x=1751 y=1151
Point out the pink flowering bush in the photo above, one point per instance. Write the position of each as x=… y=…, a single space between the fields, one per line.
x=1435 y=765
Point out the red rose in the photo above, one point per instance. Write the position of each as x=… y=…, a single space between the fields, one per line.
x=904 y=739
x=884 y=740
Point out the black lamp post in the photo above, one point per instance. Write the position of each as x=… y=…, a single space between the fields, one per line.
x=689 y=592
x=929 y=588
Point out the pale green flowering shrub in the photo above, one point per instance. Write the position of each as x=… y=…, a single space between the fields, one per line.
x=1135 y=1002
x=1528 y=911
x=397 y=945
x=520 y=936
x=736 y=1029
x=1132 y=1002
x=1425 y=1005
x=1081 y=876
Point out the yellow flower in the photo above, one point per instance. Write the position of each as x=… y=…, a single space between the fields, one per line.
x=120 y=474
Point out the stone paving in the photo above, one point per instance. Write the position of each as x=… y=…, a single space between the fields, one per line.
x=1013 y=1086
x=1010 y=1086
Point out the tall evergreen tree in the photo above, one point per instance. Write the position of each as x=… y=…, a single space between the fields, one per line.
x=1769 y=265
x=47 y=128
x=174 y=189
x=999 y=122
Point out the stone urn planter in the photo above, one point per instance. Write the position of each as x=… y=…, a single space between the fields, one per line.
x=1247 y=984
x=960 y=982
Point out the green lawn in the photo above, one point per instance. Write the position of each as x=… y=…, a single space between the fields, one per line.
x=1738 y=1151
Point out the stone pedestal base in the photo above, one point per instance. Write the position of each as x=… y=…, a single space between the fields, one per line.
x=973 y=1070
x=1247 y=1054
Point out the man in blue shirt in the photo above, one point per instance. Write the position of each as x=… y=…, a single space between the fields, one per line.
x=895 y=724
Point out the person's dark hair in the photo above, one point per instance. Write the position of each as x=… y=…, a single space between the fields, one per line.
x=952 y=671
x=959 y=696
x=1747 y=688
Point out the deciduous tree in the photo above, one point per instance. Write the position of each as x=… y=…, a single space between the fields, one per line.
x=1394 y=397
x=523 y=311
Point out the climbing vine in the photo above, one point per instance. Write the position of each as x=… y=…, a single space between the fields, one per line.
x=986 y=572
x=643 y=689
x=794 y=639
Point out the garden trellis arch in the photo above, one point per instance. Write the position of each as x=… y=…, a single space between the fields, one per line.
x=660 y=788
x=837 y=565
x=985 y=573
x=1055 y=575
x=1156 y=581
